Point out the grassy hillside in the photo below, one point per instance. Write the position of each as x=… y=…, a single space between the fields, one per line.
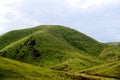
x=73 y=37
x=77 y=62
x=15 y=35
x=78 y=40
x=111 y=70
x=48 y=54
x=110 y=54
x=48 y=46
x=57 y=53
x=12 y=70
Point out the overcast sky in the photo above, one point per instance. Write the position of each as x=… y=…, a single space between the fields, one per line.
x=99 y=19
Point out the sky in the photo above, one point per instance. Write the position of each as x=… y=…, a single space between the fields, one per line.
x=99 y=19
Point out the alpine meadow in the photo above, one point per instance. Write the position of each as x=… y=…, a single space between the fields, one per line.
x=55 y=52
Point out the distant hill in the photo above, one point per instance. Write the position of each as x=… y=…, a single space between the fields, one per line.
x=116 y=44
x=110 y=54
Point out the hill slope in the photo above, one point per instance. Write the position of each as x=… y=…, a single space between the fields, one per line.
x=111 y=70
x=73 y=37
x=58 y=50
x=48 y=46
x=12 y=70
x=110 y=54
x=15 y=35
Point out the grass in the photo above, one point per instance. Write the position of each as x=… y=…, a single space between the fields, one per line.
x=10 y=70
x=57 y=53
x=73 y=37
x=110 y=54
x=78 y=40
x=46 y=46
x=77 y=62
x=110 y=70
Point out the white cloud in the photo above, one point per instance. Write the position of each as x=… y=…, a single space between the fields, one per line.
x=79 y=14
x=89 y=4
x=6 y=7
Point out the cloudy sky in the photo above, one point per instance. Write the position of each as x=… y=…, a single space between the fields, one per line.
x=99 y=19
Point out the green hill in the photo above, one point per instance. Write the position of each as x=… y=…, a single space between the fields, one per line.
x=60 y=51
x=116 y=44
x=48 y=46
x=72 y=37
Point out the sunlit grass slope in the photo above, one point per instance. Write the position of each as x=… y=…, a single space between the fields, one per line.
x=110 y=70
x=110 y=54
x=14 y=70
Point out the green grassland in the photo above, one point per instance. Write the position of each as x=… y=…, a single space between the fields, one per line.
x=58 y=53
x=111 y=70
x=14 y=70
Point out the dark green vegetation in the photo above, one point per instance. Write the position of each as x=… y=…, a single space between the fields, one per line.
x=52 y=52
